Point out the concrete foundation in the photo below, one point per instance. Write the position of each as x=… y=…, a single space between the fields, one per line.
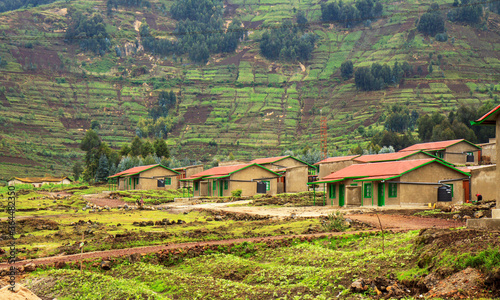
x=485 y=224
x=495 y=213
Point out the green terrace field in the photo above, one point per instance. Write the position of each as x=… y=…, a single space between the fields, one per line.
x=240 y=103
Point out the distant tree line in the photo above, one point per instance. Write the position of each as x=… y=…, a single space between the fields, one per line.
x=287 y=43
x=379 y=76
x=88 y=31
x=199 y=32
x=349 y=14
x=436 y=127
x=467 y=11
x=101 y=161
x=7 y=5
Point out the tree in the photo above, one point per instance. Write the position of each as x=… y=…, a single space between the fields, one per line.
x=432 y=22
x=301 y=18
x=136 y=146
x=103 y=169
x=77 y=170
x=147 y=149
x=125 y=150
x=161 y=148
x=346 y=69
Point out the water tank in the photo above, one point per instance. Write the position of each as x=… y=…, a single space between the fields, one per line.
x=444 y=194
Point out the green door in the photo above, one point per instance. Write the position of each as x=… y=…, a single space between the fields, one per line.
x=341 y=194
x=381 y=194
x=221 y=191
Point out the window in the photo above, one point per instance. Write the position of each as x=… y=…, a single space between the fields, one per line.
x=367 y=193
x=196 y=186
x=331 y=191
x=160 y=183
x=168 y=181
x=440 y=154
x=470 y=157
x=393 y=190
x=226 y=184
x=136 y=180
x=268 y=185
x=214 y=185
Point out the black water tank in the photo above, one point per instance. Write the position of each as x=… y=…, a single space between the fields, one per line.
x=444 y=194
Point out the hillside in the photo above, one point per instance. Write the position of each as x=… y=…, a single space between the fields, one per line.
x=240 y=103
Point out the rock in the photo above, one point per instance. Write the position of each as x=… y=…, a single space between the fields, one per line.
x=359 y=286
x=456 y=216
x=106 y=265
x=218 y=218
x=30 y=267
x=478 y=214
x=209 y=219
x=467 y=217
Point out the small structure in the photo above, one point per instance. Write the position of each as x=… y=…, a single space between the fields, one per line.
x=457 y=152
x=150 y=177
x=411 y=182
x=185 y=172
x=39 y=181
x=296 y=174
x=488 y=152
x=491 y=118
x=251 y=179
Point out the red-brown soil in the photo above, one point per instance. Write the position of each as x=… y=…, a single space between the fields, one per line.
x=458 y=87
x=400 y=222
x=18 y=160
x=75 y=123
x=197 y=115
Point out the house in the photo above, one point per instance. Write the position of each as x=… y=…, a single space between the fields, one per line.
x=395 y=156
x=491 y=118
x=251 y=179
x=185 y=172
x=39 y=181
x=295 y=172
x=404 y=182
x=489 y=152
x=150 y=177
x=457 y=152
x=333 y=164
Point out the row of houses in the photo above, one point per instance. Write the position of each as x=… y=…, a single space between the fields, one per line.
x=413 y=176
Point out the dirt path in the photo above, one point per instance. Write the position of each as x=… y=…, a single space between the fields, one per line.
x=400 y=222
x=98 y=200
x=152 y=249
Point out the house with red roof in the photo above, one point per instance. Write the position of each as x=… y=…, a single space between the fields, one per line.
x=295 y=172
x=333 y=164
x=401 y=182
x=457 y=152
x=150 y=177
x=251 y=179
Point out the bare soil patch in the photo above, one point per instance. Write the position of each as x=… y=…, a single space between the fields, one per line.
x=197 y=115
x=18 y=160
x=75 y=123
x=252 y=25
x=458 y=87
x=233 y=59
x=40 y=58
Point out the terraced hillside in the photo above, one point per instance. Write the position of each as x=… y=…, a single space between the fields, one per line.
x=242 y=103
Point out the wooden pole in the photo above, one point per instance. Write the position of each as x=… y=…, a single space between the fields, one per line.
x=81 y=253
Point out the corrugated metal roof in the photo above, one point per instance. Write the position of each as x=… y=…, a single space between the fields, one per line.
x=133 y=170
x=267 y=160
x=380 y=170
x=336 y=159
x=218 y=171
x=432 y=145
x=488 y=118
x=385 y=156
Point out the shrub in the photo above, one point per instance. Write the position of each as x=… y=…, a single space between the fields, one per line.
x=236 y=193
x=334 y=222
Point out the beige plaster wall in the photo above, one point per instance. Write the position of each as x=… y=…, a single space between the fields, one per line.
x=250 y=188
x=461 y=159
x=285 y=163
x=296 y=179
x=489 y=150
x=483 y=181
x=411 y=194
x=150 y=183
x=326 y=169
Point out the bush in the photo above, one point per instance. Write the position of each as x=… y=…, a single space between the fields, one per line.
x=236 y=193
x=441 y=37
x=335 y=222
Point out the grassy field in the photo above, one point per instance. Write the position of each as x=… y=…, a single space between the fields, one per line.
x=247 y=105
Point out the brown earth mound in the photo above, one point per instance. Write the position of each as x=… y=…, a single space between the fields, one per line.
x=19 y=293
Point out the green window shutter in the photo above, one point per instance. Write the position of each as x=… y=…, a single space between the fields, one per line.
x=130 y=181
x=268 y=185
x=168 y=181
x=214 y=185
x=226 y=184
x=451 y=185
x=393 y=190
x=368 y=190
x=196 y=186
x=332 y=191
